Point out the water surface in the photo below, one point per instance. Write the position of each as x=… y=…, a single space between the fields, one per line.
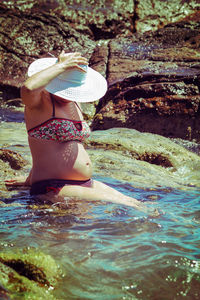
x=108 y=251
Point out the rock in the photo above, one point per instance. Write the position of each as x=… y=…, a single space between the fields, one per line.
x=153 y=76
x=154 y=83
x=14 y=159
x=33 y=35
x=142 y=159
x=35 y=30
x=190 y=145
x=89 y=109
x=104 y=19
x=100 y=57
x=33 y=264
x=152 y=15
x=4 y=294
x=28 y=274
x=17 y=102
x=99 y=19
x=6 y=171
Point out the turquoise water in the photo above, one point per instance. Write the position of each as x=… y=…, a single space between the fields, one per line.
x=110 y=251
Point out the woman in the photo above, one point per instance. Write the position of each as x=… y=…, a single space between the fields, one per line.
x=56 y=130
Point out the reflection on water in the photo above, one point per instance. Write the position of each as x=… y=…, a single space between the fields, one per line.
x=110 y=251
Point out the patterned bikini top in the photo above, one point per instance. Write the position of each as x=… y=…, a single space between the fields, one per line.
x=60 y=129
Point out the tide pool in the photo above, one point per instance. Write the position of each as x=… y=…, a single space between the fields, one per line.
x=105 y=250
x=109 y=251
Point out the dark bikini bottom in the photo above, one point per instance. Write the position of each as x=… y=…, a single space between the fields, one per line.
x=55 y=185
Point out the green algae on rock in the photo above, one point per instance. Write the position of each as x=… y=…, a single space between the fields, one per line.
x=19 y=287
x=15 y=160
x=12 y=165
x=29 y=274
x=143 y=159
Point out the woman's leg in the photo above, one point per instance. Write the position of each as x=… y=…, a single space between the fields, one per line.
x=100 y=192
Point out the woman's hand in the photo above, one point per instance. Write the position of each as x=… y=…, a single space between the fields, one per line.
x=72 y=60
x=17 y=182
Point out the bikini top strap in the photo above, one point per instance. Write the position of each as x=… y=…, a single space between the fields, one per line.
x=53 y=105
x=79 y=107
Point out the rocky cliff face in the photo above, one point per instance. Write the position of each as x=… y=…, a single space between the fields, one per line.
x=147 y=50
x=154 y=81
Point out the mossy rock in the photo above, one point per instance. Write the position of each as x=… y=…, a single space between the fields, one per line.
x=15 y=160
x=142 y=159
x=28 y=274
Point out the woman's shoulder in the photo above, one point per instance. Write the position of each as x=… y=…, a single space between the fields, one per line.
x=32 y=99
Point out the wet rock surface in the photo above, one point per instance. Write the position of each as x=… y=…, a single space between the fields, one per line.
x=28 y=274
x=143 y=159
x=14 y=159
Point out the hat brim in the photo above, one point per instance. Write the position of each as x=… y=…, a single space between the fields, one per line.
x=93 y=88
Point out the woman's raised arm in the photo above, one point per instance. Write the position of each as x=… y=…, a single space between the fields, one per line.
x=34 y=85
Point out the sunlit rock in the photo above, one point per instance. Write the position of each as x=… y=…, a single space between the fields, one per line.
x=153 y=82
x=152 y=15
x=14 y=159
x=143 y=159
x=28 y=273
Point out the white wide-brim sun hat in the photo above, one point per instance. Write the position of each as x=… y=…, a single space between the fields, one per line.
x=72 y=84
